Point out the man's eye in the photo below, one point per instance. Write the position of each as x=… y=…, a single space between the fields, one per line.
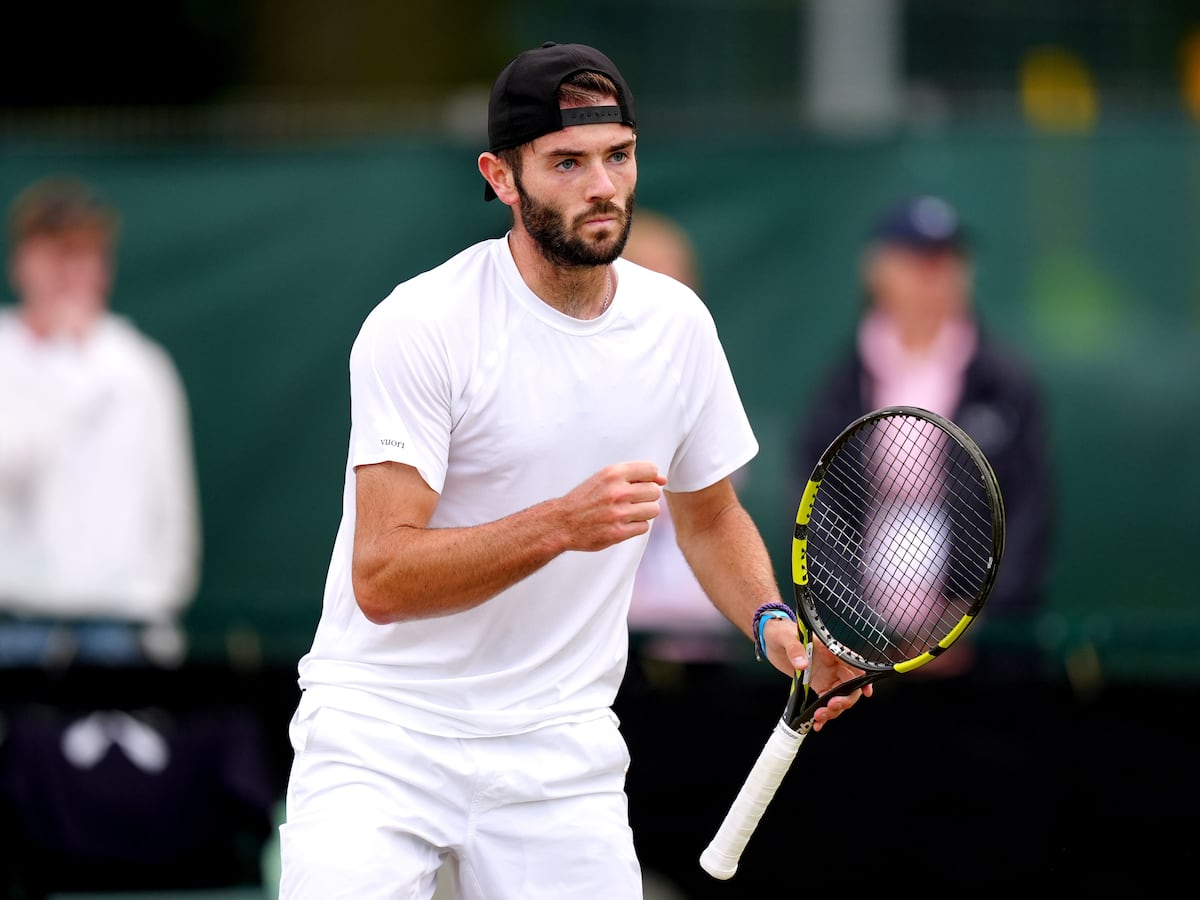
x=567 y=164
x=620 y=156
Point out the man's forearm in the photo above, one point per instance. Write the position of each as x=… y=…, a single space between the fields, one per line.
x=416 y=573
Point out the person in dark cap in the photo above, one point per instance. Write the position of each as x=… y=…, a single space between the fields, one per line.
x=516 y=414
x=919 y=341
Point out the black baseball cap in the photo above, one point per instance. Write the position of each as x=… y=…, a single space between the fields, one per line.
x=925 y=223
x=524 y=101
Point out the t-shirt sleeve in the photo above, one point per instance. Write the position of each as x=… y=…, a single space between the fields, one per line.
x=720 y=440
x=400 y=395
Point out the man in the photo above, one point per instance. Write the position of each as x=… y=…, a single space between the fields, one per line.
x=919 y=342
x=99 y=529
x=516 y=414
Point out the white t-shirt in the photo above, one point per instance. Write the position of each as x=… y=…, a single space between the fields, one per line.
x=98 y=505
x=500 y=401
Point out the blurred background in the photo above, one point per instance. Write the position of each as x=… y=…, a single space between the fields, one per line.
x=280 y=166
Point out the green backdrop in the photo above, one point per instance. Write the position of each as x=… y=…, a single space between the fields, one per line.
x=254 y=265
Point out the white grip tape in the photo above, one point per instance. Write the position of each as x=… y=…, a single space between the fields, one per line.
x=720 y=858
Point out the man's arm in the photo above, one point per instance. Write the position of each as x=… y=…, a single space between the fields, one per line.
x=726 y=551
x=403 y=569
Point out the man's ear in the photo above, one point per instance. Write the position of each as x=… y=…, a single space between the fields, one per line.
x=500 y=176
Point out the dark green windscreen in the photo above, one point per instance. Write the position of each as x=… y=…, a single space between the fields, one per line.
x=255 y=266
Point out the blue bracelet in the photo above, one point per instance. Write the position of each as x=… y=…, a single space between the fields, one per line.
x=761 y=615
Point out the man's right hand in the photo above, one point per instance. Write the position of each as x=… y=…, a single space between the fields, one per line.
x=615 y=504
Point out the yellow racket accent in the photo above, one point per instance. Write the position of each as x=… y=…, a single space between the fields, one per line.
x=799 y=544
x=958 y=629
x=804 y=513
x=917 y=661
x=800 y=561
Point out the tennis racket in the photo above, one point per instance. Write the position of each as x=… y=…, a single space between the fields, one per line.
x=898 y=539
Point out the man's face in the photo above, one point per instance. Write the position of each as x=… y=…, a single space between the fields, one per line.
x=63 y=280
x=576 y=190
x=919 y=285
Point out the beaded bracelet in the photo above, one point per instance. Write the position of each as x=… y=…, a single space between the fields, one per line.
x=761 y=615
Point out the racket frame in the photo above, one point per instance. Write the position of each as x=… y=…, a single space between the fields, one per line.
x=800 y=709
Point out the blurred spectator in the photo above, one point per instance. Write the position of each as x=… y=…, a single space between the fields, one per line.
x=99 y=536
x=670 y=615
x=920 y=342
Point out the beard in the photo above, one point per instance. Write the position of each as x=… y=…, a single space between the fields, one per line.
x=562 y=243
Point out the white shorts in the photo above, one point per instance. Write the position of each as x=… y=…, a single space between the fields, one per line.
x=373 y=811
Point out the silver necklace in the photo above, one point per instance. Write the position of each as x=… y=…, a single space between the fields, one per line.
x=607 y=292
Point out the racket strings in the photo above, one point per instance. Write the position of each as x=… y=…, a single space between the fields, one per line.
x=899 y=541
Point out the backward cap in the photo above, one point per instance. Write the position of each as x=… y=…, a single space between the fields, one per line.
x=524 y=99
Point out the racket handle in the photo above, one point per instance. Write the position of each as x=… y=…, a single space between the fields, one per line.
x=720 y=858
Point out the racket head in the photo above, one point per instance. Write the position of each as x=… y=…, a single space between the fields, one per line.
x=898 y=539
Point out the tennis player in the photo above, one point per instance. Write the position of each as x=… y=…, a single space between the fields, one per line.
x=516 y=415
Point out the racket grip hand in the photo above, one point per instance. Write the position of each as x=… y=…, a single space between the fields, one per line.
x=720 y=858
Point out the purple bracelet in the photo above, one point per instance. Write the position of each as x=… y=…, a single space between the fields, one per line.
x=764 y=612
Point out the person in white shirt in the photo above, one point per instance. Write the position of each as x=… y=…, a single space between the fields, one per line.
x=99 y=525
x=516 y=413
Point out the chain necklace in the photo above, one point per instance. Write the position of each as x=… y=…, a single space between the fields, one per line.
x=607 y=293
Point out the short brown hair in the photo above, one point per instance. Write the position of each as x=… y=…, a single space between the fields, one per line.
x=60 y=205
x=586 y=87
